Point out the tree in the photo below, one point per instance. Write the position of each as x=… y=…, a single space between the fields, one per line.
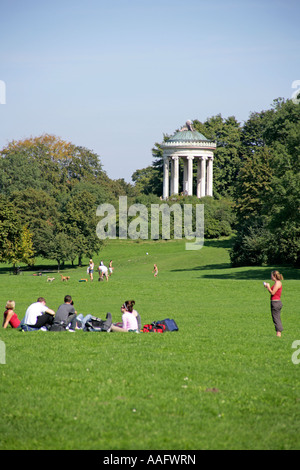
x=24 y=248
x=39 y=174
x=47 y=162
x=39 y=211
x=61 y=248
x=79 y=223
x=227 y=156
x=156 y=180
x=146 y=180
x=254 y=189
x=15 y=238
x=18 y=172
x=268 y=188
x=253 y=131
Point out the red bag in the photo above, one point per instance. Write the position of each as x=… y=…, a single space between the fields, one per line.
x=154 y=327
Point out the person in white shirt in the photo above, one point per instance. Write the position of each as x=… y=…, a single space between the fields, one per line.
x=103 y=271
x=38 y=315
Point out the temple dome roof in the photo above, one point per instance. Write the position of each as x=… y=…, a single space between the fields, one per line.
x=188 y=136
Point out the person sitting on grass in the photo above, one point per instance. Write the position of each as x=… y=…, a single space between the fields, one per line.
x=38 y=316
x=129 y=320
x=137 y=315
x=9 y=316
x=65 y=316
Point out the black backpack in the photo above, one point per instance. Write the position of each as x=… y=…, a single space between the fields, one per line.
x=97 y=324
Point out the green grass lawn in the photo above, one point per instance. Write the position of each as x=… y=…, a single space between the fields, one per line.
x=223 y=381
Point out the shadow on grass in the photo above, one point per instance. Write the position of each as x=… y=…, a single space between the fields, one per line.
x=226 y=243
x=227 y=271
x=36 y=269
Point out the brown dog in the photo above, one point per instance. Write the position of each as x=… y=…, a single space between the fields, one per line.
x=64 y=278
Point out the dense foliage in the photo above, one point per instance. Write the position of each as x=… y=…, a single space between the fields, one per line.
x=267 y=192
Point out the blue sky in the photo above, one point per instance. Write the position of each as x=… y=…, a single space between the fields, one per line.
x=114 y=76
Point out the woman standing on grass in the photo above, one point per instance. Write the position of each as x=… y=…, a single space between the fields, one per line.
x=276 y=304
x=90 y=269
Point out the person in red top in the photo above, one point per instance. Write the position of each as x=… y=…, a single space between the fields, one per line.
x=10 y=317
x=276 y=304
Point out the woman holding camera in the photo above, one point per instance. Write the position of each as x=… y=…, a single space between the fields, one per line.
x=276 y=304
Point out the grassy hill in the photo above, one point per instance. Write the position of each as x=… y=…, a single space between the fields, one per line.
x=223 y=381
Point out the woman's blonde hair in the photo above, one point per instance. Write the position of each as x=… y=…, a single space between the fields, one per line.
x=277 y=275
x=10 y=304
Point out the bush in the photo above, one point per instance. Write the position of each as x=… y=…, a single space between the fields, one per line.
x=219 y=218
x=251 y=247
x=287 y=247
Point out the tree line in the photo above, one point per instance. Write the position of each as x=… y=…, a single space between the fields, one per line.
x=50 y=189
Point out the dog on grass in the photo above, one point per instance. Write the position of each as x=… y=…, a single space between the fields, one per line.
x=64 y=278
x=50 y=279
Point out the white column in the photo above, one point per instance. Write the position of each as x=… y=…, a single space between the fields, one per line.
x=166 y=178
x=190 y=175
x=198 y=177
x=172 y=177
x=185 y=177
x=210 y=177
x=203 y=177
x=175 y=174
